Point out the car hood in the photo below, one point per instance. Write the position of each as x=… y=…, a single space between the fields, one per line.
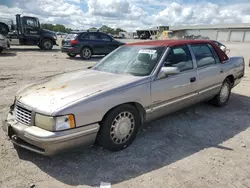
x=52 y=94
x=48 y=32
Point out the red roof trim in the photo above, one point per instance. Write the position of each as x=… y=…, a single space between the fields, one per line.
x=171 y=43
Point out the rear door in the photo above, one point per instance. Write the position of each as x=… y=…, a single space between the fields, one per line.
x=209 y=69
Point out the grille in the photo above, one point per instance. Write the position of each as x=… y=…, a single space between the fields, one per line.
x=23 y=115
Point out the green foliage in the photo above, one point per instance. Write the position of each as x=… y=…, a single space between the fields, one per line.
x=63 y=29
x=110 y=30
x=56 y=28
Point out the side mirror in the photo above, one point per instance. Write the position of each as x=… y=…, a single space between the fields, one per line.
x=166 y=71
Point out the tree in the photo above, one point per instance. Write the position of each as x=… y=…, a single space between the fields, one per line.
x=118 y=30
x=56 y=28
x=108 y=30
x=93 y=28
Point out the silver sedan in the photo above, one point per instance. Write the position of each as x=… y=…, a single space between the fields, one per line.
x=108 y=103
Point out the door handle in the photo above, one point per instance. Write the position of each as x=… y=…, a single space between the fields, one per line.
x=193 y=79
x=221 y=71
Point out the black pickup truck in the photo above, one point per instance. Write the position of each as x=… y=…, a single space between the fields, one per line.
x=27 y=31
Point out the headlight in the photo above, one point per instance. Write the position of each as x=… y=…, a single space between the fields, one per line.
x=55 y=123
x=55 y=37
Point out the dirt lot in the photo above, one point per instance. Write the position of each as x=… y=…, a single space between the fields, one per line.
x=201 y=146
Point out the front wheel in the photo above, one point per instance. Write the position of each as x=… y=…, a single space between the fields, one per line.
x=71 y=55
x=119 y=128
x=47 y=44
x=86 y=53
x=223 y=96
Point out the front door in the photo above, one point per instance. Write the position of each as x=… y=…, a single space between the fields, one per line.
x=31 y=29
x=175 y=91
x=210 y=71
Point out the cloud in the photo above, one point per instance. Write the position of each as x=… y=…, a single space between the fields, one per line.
x=128 y=14
x=204 y=13
x=109 y=8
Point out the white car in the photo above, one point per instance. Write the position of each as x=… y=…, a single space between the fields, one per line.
x=4 y=43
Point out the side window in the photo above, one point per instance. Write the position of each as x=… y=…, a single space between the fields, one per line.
x=179 y=57
x=203 y=55
x=93 y=36
x=104 y=37
x=217 y=59
x=31 y=22
x=85 y=36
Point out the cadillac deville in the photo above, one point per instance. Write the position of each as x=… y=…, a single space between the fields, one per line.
x=108 y=103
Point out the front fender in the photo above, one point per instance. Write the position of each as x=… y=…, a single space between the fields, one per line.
x=93 y=110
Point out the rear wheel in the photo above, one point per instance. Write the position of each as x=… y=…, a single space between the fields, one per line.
x=119 y=128
x=47 y=44
x=86 y=53
x=223 y=96
x=1 y=50
x=4 y=30
x=71 y=55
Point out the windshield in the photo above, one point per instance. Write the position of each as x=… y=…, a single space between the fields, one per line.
x=134 y=60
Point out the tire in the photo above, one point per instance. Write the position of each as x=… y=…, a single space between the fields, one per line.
x=86 y=53
x=4 y=30
x=119 y=128
x=71 y=55
x=40 y=46
x=1 y=50
x=47 y=44
x=221 y=99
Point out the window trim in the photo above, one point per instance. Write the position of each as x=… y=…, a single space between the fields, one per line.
x=198 y=67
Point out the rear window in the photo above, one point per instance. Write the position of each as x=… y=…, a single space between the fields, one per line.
x=71 y=36
x=203 y=55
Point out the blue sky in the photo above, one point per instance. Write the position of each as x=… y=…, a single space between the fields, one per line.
x=130 y=14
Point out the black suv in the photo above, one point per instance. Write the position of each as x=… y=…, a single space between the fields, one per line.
x=89 y=43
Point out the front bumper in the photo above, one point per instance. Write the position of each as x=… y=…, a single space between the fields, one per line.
x=45 y=142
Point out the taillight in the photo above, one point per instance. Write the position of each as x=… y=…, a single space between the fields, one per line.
x=74 y=42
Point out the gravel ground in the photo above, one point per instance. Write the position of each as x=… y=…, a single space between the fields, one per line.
x=201 y=146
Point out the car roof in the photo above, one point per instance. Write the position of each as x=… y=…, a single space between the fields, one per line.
x=169 y=42
x=172 y=43
x=81 y=32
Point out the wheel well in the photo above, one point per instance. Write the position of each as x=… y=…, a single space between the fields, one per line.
x=231 y=79
x=137 y=106
x=47 y=38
